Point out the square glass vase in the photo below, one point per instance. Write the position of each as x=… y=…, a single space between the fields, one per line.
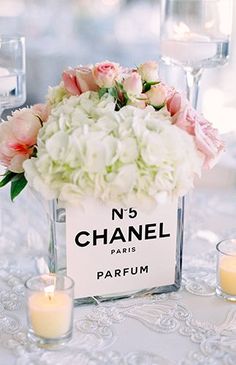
x=113 y=253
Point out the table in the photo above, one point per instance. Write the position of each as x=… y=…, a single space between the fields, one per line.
x=188 y=327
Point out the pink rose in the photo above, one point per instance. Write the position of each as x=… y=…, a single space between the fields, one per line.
x=85 y=79
x=79 y=80
x=206 y=137
x=174 y=103
x=149 y=71
x=18 y=135
x=42 y=111
x=105 y=73
x=133 y=84
x=140 y=102
x=16 y=163
x=70 y=82
x=157 y=95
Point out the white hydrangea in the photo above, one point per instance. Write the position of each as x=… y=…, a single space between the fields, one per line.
x=56 y=94
x=127 y=156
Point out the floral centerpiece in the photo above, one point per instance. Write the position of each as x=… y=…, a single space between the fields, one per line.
x=118 y=135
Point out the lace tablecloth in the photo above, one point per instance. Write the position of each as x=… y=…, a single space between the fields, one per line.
x=189 y=327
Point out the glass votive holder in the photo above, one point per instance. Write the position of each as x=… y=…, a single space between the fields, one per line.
x=226 y=269
x=50 y=309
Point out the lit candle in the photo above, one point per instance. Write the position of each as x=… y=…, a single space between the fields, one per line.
x=227 y=274
x=50 y=308
x=226 y=269
x=7 y=81
x=188 y=47
x=50 y=314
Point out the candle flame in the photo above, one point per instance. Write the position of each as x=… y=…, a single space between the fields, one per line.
x=49 y=291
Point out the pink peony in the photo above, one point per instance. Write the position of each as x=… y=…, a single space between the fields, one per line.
x=105 y=73
x=133 y=84
x=206 y=137
x=18 y=135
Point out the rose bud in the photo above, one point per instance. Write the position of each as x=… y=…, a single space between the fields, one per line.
x=174 y=103
x=133 y=84
x=157 y=95
x=149 y=71
x=140 y=102
x=70 y=82
x=85 y=79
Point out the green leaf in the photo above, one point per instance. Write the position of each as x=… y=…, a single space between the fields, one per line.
x=9 y=175
x=126 y=98
x=113 y=92
x=102 y=92
x=119 y=86
x=18 y=177
x=17 y=185
x=147 y=85
x=159 y=107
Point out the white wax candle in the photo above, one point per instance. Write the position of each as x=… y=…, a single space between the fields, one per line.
x=227 y=274
x=50 y=314
x=7 y=81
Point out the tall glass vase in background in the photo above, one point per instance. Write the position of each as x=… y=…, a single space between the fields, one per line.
x=195 y=35
x=12 y=82
x=12 y=72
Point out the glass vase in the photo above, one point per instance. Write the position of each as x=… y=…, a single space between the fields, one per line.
x=58 y=251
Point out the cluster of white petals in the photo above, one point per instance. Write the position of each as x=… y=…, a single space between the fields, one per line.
x=132 y=156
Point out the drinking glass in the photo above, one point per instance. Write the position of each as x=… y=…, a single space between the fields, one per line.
x=12 y=72
x=195 y=34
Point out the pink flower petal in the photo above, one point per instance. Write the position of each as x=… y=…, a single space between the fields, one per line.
x=70 y=82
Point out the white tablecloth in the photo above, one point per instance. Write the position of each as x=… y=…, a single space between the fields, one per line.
x=189 y=327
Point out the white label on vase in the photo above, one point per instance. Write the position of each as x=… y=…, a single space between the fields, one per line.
x=113 y=250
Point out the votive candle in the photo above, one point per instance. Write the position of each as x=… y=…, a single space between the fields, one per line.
x=226 y=269
x=50 y=308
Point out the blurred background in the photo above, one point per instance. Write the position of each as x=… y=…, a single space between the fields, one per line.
x=62 y=33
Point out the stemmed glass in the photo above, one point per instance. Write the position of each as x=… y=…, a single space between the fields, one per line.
x=195 y=34
x=12 y=72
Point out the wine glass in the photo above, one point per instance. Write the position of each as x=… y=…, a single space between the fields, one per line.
x=195 y=34
x=12 y=72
